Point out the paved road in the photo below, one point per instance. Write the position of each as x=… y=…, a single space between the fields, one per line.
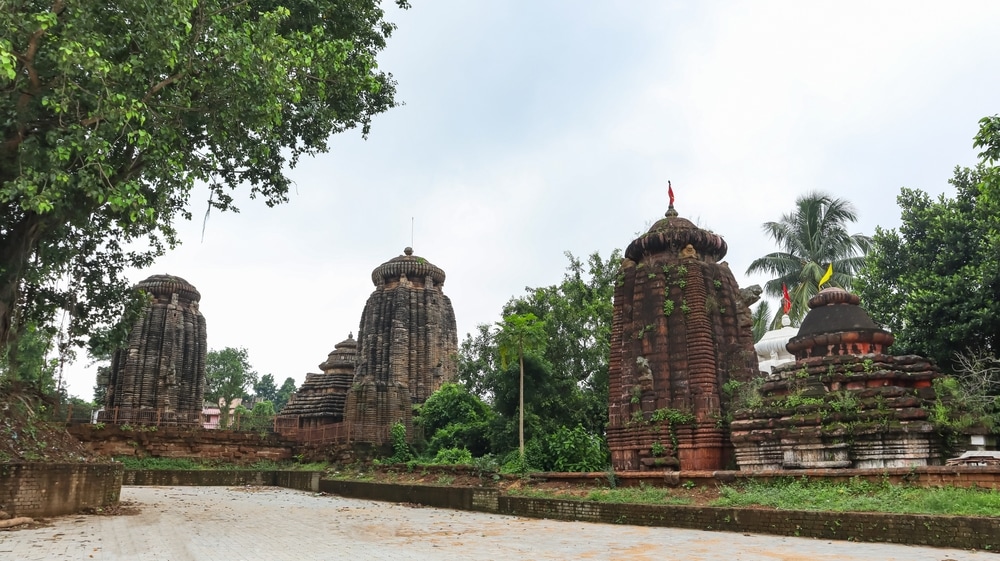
x=272 y=524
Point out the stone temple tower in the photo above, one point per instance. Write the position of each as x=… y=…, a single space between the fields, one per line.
x=321 y=398
x=407 y=344
x=676 y=339
x=160 y=374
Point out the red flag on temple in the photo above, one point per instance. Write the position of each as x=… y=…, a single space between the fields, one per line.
x=786 y=300
x=670 y=191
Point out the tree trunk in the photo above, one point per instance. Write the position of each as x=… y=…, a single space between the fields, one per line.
x=17 y=247
x=520 y=408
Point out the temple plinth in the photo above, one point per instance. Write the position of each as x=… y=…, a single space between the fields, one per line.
x=676 y=341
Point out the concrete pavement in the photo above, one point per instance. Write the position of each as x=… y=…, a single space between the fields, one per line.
x=274 y=524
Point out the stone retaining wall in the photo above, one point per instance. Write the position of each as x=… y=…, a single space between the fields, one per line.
x=302 y=480
x=964 y=532
x=182 y=442
x=40 y=490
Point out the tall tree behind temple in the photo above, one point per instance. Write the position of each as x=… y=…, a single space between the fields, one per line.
x=577 y=316
x=811 y=238
x=228 y=375
x=113 y=111
x=935 y=281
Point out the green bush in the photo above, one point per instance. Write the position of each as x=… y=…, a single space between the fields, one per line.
x=453 y=456
x=568 y=450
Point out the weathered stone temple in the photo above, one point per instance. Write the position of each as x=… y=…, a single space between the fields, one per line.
x=160 y=374
x=676 y=341
x=321 y=398
x=408 y=342
x=844 y=403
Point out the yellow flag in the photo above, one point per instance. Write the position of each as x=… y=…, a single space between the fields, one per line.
x=826 y=276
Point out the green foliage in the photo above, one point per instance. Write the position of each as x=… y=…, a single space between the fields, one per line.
x=859 y=495
x=260 y=418
x=643 y=494
x=28 y=362
x=113 y=112
x=568 y=450
x=401 y=452
x=668 y=306
x=934 y=282
x=452 y=417
x=516 y=463
x=453 y=456
x=810 y=238
x=762 y=320
x=228 y=375
x=672 y=416
x=284 y=394
x=157 y=463
x=265 y=388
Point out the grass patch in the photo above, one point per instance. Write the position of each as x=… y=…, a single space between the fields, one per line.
x=643 y=494
x=151 y=463
x=858 y=495
x=133 y=463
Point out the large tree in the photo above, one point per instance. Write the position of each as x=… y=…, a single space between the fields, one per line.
x=228 y=376
x=566 y=384
x=811 y=238
x=113 y=111
x=935 y=281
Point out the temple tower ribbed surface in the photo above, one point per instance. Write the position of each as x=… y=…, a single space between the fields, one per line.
x=321 y=398
x=160 y=374
x=408 y=341
x=677 y=339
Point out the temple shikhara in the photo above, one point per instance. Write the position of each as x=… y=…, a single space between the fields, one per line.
x=408 y=343
x=159 y=376
x=406 y=349
x=321 y=398
x=680 y=333
x=844 y=402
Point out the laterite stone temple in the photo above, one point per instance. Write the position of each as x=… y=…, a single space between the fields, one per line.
x=408 y=341
x=680 y=332
x=160 y=374
x=321 y=398
x=844 y=403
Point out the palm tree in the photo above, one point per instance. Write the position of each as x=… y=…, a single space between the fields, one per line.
x=811 y=238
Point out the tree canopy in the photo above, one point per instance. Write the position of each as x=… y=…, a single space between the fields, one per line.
x=113 y=111
x=228 y=376
x=935 y=281
x=566 y=380
x=811 y=238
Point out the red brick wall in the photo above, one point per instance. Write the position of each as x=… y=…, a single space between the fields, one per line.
x=40 y=490
x=181 y=442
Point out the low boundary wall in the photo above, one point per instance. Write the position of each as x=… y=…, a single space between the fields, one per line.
x=183 y=442
x=301 y=480
x=39 y=490
x=965 y=532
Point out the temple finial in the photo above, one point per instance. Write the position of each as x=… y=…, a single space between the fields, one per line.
x=670 y=193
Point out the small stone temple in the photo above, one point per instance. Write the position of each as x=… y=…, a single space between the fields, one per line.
x=407 y=345
x=680 y=332
x=321 y=398
x=160 y=374
x=844 y=402
x=771 y=350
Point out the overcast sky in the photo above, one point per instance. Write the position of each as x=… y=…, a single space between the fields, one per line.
x=535 y=127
